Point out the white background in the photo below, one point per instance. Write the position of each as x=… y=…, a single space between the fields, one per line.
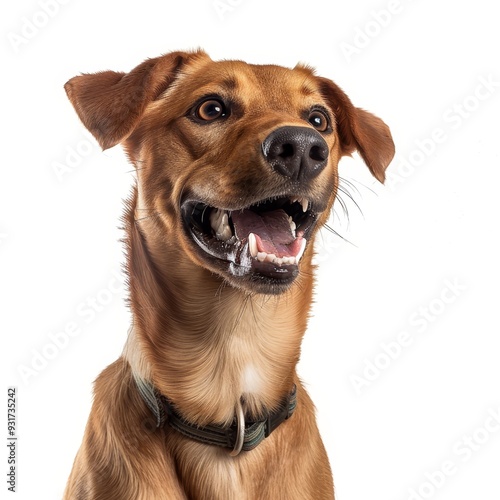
x=429 y=234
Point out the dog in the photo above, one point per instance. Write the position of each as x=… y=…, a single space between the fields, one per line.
x=236 y=168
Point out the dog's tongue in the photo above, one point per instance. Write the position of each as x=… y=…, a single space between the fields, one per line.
x=272 y=230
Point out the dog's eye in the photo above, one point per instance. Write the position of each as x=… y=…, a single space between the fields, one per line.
x=319 y=120
x=210 y=110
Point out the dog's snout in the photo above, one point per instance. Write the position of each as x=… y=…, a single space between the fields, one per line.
x=296 y=152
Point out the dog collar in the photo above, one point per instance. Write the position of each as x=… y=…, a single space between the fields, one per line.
x=240 y=435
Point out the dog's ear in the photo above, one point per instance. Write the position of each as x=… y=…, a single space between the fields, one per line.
x=360 y=130
x=110 y=104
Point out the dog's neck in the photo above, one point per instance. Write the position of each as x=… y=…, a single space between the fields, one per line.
x=203 y=343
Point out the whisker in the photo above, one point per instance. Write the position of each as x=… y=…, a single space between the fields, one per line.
x=240 y=313
x=221 y=287
x=156 y=214
x=343 y=205
x=349 y=195
x=336 y=233
x=351 y=184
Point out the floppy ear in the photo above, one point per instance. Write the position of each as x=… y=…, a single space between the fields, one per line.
x=110 y=104
x=360 y=130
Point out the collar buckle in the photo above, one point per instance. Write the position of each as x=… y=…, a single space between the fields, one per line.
x=240 y=430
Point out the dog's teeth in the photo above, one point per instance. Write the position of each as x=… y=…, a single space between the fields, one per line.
x=261 y=256
x=304 y=202
x=270 y=257
x=225 y=234
x=301 y=251
x=223 y=223
x=219 y=221
x=215 y=217
x=252 y=245
x=293 y=226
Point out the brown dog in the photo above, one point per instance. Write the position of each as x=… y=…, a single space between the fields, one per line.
x=236 y=172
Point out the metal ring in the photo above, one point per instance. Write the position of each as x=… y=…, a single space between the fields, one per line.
x=240 y=437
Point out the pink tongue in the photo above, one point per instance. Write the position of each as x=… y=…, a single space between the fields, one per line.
x=272 y=231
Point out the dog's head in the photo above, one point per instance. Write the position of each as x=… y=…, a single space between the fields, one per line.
x=238 y=162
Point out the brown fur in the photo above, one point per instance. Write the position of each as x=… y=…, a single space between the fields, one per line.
x=196 y=329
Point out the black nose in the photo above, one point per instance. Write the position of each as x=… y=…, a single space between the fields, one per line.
x=296 y=152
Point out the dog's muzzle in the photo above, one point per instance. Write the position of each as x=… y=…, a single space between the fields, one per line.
x=264 y=241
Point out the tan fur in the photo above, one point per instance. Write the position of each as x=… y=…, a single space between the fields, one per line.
x=203 y=338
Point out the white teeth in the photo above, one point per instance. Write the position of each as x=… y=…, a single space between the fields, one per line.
x=303 y=201
x=270 y=257
x=215 y=218
x=252 y=245
x=293 y=226
x=219 y=221
x=301 y=251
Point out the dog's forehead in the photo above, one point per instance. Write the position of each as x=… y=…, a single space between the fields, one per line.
x=268 y=82
x=262 y=77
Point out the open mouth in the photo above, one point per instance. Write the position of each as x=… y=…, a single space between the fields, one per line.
x=266 y=240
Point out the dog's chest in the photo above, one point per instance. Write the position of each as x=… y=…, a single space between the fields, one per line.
x=250 y=367
x=251 y=379
x=252 y=350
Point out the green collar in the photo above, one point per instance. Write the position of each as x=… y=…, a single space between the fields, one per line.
x=241 y=435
